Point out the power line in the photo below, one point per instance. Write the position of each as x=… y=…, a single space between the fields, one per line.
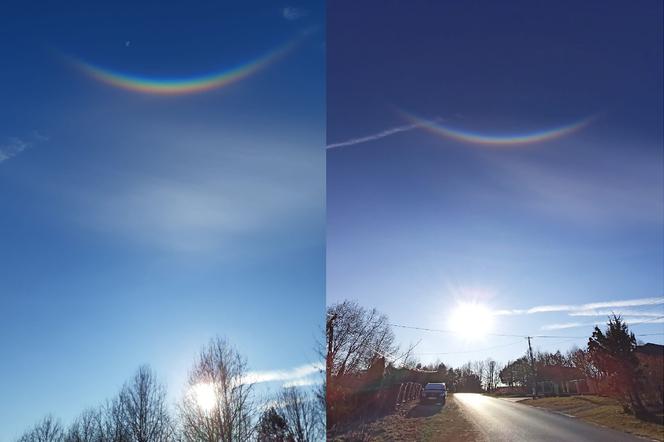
x=439 y=330
x=469 y=351
x=558 y=337
x=503 y=335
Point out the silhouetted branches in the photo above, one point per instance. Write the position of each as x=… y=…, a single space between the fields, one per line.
x=218 y=405
x=272 y=427
x=358 y=337
x=302 y=413
x=225 y=416
x=613 y=352
x=48 y=429
x=295 y=416
x=87 y=427
x=143 y=411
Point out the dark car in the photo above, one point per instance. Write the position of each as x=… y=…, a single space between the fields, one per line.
x=434 y=392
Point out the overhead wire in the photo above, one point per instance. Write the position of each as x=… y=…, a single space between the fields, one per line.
x=438 y=330
x=469 y=351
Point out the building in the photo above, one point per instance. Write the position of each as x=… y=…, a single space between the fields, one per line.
x=556 y=380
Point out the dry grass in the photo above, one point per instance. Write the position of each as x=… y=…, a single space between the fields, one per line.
x=417 y=423
x=602 y=411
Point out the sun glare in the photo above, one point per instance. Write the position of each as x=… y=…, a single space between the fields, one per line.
x=204 y=395
x=471 y=320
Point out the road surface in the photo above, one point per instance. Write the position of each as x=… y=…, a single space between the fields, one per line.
x=501 y=420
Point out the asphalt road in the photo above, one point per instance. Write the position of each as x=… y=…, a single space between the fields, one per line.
x=501 y=420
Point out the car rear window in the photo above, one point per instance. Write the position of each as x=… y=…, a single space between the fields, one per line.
x=434 y=387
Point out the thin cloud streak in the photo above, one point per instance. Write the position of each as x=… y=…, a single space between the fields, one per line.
x=196 y=197
x=632 y=321
x=292 y=376
x=376 y=136
x=15 y=145
x=303 y=382
x=583 y=307
x=12 y=148
x=291 y=13
x=564 y=326
x=627 y=189
x=619 y=312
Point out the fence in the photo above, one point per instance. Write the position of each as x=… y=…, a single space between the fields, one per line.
x=375 y=392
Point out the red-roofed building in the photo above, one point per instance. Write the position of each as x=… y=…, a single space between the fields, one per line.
x=558 y=380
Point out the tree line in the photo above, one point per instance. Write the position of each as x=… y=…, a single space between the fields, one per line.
x=472 y=377
x=219 y=406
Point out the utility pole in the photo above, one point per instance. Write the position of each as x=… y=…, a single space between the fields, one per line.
x=532 y=368
x=329 y=359
x=330 y=342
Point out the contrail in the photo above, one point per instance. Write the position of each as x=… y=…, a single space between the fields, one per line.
x=377 y=136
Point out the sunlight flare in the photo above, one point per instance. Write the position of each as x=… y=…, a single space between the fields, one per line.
x=471 y=320
x=204 y=395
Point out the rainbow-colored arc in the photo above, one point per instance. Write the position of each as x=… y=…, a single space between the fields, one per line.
x=187 y=85
x=497 y=140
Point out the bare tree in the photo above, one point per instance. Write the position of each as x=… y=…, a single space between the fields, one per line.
x=356 y=337
x=302 y=414
x=321 y=403
x=492 y=371
x=113 y=428
x=48 y=429
x=87 y=427
x=143 y=408
x=411 y=362
x=479 y=368
x=217 y=406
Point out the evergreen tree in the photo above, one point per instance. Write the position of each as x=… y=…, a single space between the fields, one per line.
x=272 y=427
x=613 y=352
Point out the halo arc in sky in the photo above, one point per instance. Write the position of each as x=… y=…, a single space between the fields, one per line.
x=471 y=137
x=182 y=85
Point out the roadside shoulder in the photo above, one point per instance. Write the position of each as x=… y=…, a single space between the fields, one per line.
x=600 y=411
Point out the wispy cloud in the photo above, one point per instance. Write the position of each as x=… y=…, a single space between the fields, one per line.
x=562 y=326
x=619 y=311
x=600 y=309
x=202 y=193
x=376 y=136
x=292 y=13
x=13 y=146
x=304 y=382
x=628 y=320
x=604 y=187
x=583 y=307
x=299 y=376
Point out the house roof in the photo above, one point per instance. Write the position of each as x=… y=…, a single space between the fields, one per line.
x=651 y=349
x=559 y=373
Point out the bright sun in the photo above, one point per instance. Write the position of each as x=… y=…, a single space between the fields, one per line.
x=471 y=320
x=204 y=395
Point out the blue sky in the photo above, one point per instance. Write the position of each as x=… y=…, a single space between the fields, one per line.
x=135 y=227
x=553 y=235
